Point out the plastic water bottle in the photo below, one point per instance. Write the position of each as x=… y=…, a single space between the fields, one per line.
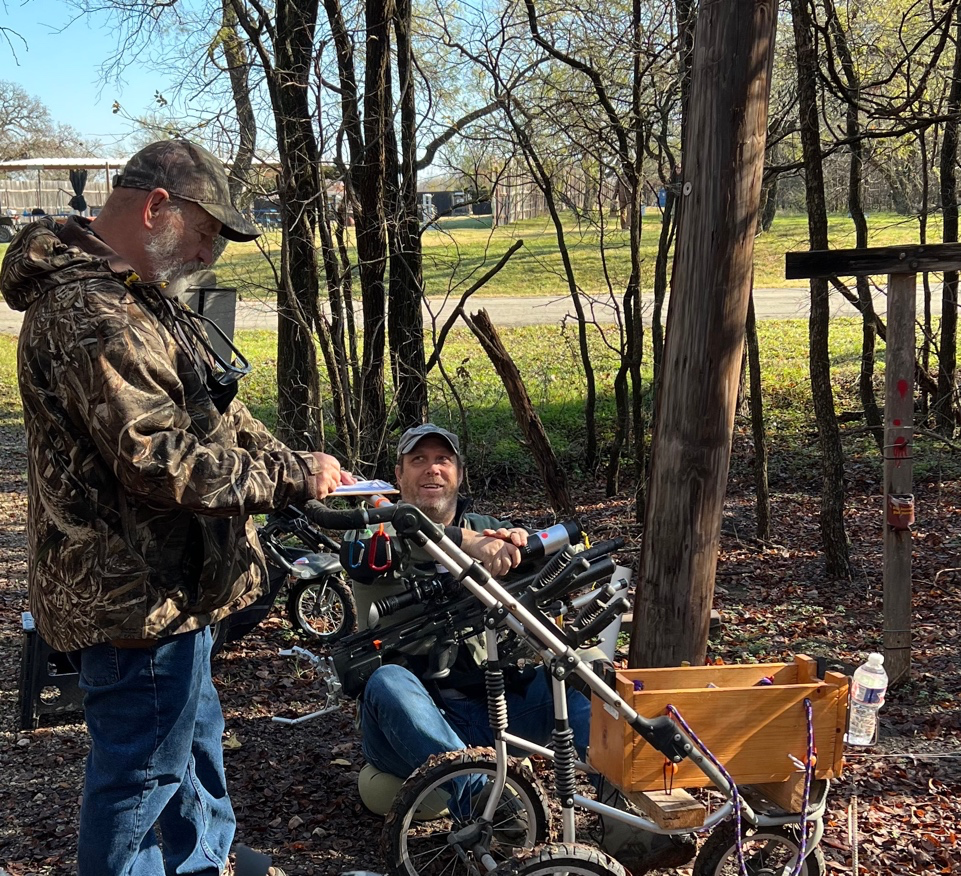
x=867 y=696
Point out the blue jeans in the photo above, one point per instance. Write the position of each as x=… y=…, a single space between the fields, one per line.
x=156 y=757
x=402 y=726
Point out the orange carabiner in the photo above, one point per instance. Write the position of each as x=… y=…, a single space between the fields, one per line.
x=379 y=541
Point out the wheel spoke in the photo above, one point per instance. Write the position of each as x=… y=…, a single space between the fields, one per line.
x=418 y=848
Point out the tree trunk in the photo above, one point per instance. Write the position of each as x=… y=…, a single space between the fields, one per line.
x=665 y=240
x=367 y=176
x=722 y=172
x=405 y=324
x=869 y=334
x=552 y=473
x=238 y=66
x=769 y=204
x=762 y=494
x=287 y=75
x=944 y=404
x=833 y=538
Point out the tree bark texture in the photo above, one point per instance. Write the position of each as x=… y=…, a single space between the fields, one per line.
x=405 y=325
x=552 y=473
x=833 y=537
x=664 y=243
x=762 y=493
x=238 y=67
x=944 y=404
x=727 y=126
x=628 y=412
x=869 y=334
x=367 y=177
x=287 y=76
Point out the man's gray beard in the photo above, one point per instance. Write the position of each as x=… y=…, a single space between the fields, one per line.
x=162 y=252
x=440 y=512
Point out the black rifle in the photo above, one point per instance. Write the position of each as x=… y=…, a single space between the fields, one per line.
x=447 y=622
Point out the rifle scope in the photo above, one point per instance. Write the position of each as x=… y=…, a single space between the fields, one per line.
x=551 y=540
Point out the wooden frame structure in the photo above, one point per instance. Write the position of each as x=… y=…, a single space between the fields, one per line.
x=901 y=264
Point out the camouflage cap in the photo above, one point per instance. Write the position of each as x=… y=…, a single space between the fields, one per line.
x=410 y=438
x=191 y=173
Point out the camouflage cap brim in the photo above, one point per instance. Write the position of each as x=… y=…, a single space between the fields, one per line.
x=233 y=225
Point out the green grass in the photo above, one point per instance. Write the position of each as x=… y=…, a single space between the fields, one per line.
x=547 y=357
x=464 y=248
x=548 y=361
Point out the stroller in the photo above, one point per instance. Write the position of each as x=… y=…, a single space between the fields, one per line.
x=439 y=824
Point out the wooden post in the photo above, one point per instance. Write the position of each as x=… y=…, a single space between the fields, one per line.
x=902 y=264
x=899 y=359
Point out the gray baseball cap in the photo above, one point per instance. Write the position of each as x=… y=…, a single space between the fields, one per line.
x=410 y=438
x=191 y=173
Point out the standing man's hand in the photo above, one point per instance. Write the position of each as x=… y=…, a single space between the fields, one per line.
x=330 y=476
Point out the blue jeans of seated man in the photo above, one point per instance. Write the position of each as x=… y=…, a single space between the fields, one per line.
x=156 y=757
x=402 y=726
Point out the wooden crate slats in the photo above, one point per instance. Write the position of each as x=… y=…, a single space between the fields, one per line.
x=750 y=728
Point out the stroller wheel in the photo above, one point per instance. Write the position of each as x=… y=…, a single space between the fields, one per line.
x=766 y=851
x=573 y=858
x=521 y=818
x=322 y=609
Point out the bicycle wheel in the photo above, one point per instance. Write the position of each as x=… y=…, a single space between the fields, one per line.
x=322 y=608
x=559 y=858
x=766 y=851
x=521 y=820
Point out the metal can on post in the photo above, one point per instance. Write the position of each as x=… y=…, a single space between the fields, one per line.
x=900 y=511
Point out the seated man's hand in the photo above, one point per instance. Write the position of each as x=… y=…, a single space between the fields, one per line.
x=496 y=554
x=516 y=535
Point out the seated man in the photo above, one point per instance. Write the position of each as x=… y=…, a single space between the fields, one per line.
x=405 y=719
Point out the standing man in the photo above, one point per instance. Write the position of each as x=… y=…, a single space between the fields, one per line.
x=143 y=471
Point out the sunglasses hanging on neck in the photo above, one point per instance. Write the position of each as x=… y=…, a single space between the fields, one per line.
x=220 y=375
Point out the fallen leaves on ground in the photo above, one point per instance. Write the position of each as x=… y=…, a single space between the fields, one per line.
x=294 y=787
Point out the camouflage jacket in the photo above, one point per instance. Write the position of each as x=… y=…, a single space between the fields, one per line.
x=140 y=490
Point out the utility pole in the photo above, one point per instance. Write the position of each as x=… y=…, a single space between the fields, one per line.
x=723 y=161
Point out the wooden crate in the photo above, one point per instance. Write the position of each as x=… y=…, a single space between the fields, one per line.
x=750 y=728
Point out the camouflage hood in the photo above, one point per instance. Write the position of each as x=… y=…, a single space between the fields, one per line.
x=140 y=483
x=45 y=255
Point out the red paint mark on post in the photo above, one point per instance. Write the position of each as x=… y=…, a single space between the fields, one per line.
x=902 y=387
x=900 y=449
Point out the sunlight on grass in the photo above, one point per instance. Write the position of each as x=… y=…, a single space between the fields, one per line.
x=548 y=360
x=462 y=249
x=550 y=365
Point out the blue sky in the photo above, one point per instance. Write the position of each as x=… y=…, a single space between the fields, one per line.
x=60 y=65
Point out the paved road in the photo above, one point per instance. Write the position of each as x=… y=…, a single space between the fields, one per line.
x=769 y=303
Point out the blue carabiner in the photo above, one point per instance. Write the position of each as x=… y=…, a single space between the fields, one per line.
x=355 y=554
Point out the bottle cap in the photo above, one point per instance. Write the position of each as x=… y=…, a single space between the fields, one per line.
x=875 y=659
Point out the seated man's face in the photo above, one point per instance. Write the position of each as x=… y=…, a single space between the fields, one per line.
x=429 y=477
